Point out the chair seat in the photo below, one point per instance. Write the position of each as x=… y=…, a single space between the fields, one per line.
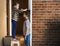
x=15 y=42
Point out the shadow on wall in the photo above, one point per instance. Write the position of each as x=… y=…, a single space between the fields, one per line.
x=2 y=42
x=53 y=30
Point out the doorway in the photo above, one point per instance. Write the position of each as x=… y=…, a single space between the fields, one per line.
x=23 y=4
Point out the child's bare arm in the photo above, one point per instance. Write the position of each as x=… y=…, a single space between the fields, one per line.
x=23 y=9
x=26 y=32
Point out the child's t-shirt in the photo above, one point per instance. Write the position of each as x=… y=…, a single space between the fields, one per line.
x=26 y=24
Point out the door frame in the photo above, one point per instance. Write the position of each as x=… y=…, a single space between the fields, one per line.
x=9 y=24
x=8 y=17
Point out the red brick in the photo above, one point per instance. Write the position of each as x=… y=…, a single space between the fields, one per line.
x=45 y=22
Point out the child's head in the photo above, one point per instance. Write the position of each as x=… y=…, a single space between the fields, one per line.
x=16 y=5
x=26 y=14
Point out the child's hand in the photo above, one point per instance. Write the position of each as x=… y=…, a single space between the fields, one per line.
x=25 y=37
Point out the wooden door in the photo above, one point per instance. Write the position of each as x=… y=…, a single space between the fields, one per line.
x=8 y=18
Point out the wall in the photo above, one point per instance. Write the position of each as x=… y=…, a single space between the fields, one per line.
x=3 y=30
x=46 y=23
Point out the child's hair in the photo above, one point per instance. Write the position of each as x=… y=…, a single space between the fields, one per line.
x=16 y=3
x=27 y=13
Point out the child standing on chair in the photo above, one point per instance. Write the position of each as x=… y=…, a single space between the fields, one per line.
x=26 y=28
x=15 y=17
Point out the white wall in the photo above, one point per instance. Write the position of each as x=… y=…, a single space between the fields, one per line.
x=3 y=25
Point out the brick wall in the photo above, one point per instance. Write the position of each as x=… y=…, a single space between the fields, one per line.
x=46 y=23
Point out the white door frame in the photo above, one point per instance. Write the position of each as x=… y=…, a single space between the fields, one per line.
x=30 y=7
x=10 y=9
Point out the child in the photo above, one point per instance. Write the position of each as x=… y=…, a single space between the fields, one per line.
x=26 y=28
x=15 y=15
